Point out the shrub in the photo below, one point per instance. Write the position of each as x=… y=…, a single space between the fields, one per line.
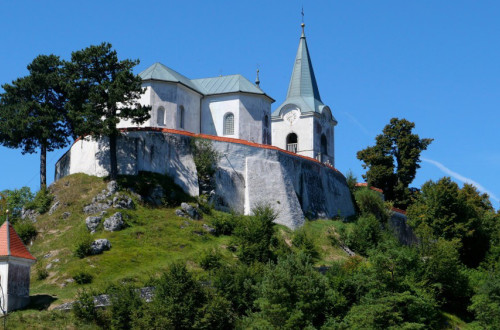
x=254 y=235
x=26 y=230
x=304 y=243
x=370 y=202
x=82 y=277
x=41 y=273
x=211 y=259
x=365 y=235
x=205 y=157
x=84 y=307
x=83 y=246
x=125 y=302
x=41 y=202
x=224 y=223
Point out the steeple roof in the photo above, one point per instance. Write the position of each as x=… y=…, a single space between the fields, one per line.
x=303 y=90
x=11 y=244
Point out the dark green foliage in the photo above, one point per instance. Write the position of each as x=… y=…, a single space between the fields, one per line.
x=26 y=230
x=205 y=157
x=304 y=243
x=393 y=162
x=125 y=303
x=177 y=301
x=82 y=277
x=103 y=90
x=16 y=200
x=32 y=113
x=211 y=259
x=398 y=310
x=224 y=223
x=444 y=210
x=83 y=246
x=146 y=182
x=41 y=202
x=41 y=274
x=84 y=307
x=216 y=314
x=486 y=301
x=371 y=202
x=254 y=234
x=293 y=295
x=365 y=235
x=238 y=284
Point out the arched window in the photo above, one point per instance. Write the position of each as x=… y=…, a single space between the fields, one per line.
x=160 y=116
x=324 y=145
x=266 y=121
x=292 y=142
x=181 y=117
x=228 y=124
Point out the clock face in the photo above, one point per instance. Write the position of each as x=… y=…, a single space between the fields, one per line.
x=291 y=115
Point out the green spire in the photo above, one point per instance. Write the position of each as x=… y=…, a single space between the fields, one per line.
x=303 y=82
x=303 y=90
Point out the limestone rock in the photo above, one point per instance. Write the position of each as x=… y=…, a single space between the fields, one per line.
x=29 y=214
x=54 y=207
x=95 y=208
x=99 y=246
x=123 y=202
x=92 y=223
x=180 y=213
x=101 y=197
x=66 y=215
x=191 y=211
x=112 y=187
x=114 y=223
x=208 y=229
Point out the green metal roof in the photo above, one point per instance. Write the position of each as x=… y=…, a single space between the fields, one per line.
x=161 y=72
x=303 y=90
x=227 y=84
x=206 y=86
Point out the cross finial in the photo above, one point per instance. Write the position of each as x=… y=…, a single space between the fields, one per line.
x=302 y=24
x=257 y=81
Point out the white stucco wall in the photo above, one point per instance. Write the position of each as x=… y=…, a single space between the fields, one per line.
x=4 y=275
x=15 y=281
x=246 y=175
x=213 y=110
x=292 y=121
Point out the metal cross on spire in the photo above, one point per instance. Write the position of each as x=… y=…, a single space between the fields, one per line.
x=302 y=14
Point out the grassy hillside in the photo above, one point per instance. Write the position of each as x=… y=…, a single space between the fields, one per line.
x=153 y=239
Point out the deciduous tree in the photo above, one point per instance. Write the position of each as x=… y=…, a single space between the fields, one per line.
x=393 y=161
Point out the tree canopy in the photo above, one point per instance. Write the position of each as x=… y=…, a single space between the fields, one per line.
x=32 y=113
x=393 y=161
x=103 y=90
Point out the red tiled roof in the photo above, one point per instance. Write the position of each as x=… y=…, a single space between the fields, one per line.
x=364 y=184
x=395 y=209
x=218 y=138
x=11 y=244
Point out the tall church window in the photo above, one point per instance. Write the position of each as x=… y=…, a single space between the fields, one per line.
x=160 y=116
x=266 y=121
x=292 y=142
x=181 y=117
x=324 y=145
x=229 y=124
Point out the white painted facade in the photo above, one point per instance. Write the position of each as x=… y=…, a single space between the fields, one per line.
x=15 y=282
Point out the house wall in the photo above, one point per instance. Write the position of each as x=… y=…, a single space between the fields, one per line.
x=247 y=174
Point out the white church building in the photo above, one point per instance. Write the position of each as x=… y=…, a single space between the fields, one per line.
x=231 y=106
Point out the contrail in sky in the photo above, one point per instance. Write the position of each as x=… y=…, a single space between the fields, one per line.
x=461 y=178
x=354 y=120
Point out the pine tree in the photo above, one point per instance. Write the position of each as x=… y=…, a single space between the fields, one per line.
x=103 y=91
x=32 y=115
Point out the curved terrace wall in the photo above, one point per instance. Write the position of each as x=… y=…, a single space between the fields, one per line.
x=247 y=173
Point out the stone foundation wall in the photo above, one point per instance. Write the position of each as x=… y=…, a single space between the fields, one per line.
x=247 y=173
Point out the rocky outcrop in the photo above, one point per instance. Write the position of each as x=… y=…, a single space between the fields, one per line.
x=92 y=223
x=188 y=211
x=99 y=246
x=114 y=222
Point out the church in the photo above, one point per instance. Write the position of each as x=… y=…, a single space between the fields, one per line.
x=282 y=157
x=232 y=106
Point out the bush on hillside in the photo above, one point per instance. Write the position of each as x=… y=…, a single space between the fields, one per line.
x=84 y=306
x=82 y=277
x=83 y=246
x=370 y=202
x=224 y=223
x=365 y=235
x=205 y=157
x=26 y=230
x=304 y=243
x=41 y=202
x=211 y=259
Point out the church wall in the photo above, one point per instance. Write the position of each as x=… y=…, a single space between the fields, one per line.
x=253 y=108
x=322 y=126
x=190 y=100
x=213 y=109
x=300 y=125
x=144 y=100
x=247 y=174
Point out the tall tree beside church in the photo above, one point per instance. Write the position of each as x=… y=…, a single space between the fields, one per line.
x=32 y=111
x=102 y=91
x=393 y=161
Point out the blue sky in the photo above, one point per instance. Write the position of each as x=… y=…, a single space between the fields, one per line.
x=435 y=63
